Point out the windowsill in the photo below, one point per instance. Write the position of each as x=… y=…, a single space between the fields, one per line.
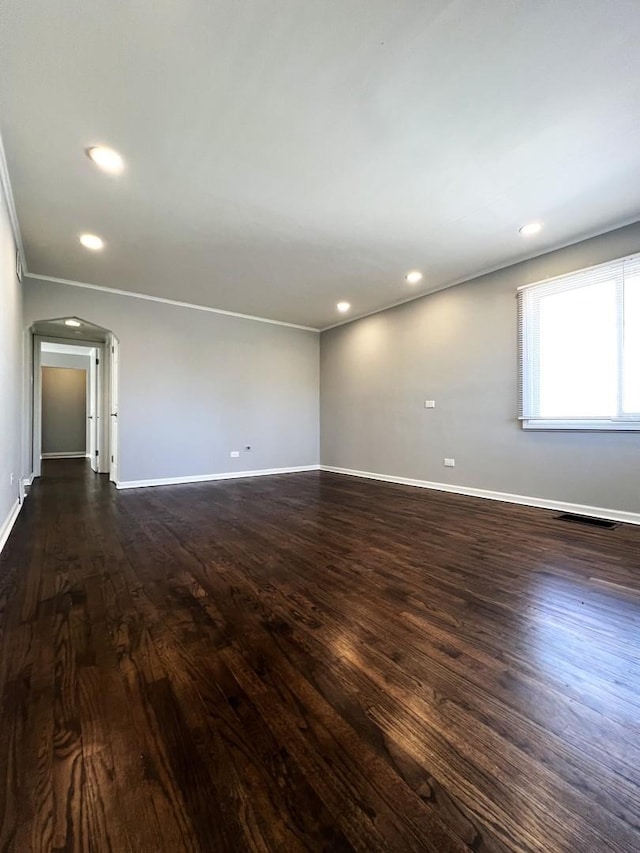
x=597 y=425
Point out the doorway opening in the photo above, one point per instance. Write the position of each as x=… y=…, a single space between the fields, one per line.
x=75 y=394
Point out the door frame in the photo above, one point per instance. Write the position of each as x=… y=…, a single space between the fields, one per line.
x=112 y=396
x=93 y=405
x=101 y=426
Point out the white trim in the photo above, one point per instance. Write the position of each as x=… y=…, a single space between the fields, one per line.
x=205 y=478
x=36 y=391
x=7 y=527
x=531 y=345
x=134 y=295
x=24 y=484
x=5 y=183
x=28 y=481
x=65 y=455
x=601 y=425
x=525 y=500
x=591 y=235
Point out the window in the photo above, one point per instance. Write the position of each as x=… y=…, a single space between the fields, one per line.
x=580 y=349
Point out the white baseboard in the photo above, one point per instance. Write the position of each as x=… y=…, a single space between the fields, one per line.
x=525 y=500
x=7 y=525
x=74 y=455
x=205 y=478
x=25 y=482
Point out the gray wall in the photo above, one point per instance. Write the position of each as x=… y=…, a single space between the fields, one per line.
x=459 y=347
x=64 y=410
x=11 y=349
x=195 y=385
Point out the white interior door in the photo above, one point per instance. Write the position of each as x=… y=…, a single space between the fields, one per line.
x=92 y=410
x=113 y=412
x=37 y=405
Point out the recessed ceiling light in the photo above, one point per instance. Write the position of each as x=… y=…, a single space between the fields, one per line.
x=343 y=306
x=106 y=159
x=531 y=229
x=91 y=241
x=414 y=276
x=72 y=323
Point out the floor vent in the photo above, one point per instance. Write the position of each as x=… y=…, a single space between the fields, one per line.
x=588 y=520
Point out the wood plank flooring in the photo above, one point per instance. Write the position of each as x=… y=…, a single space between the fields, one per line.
x=314 y=662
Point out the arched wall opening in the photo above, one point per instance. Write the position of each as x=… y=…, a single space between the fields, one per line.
x=75 y=343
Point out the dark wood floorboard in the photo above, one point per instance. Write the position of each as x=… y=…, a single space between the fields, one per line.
x=313 y=662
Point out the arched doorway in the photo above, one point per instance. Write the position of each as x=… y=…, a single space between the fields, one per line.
x=75 y=344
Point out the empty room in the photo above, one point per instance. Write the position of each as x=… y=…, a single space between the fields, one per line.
x=320 y=426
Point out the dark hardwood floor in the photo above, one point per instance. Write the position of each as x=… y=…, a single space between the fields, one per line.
x=312 y=662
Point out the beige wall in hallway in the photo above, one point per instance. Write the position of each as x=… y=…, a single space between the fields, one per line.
x=64 y=410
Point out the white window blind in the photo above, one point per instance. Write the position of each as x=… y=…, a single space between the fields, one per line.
x=579 y=338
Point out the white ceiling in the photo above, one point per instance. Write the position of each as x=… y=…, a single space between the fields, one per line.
x=285 y=154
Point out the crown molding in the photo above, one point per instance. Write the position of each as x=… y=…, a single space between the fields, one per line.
x=591 y=235
x=5 y=183
x=177 y=304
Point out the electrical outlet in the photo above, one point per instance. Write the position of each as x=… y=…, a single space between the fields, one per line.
x=429 y=404
x=234 y=454
x=11 y=479
x=449 y=463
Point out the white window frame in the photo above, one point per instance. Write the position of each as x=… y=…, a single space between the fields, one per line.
x=526 y=372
